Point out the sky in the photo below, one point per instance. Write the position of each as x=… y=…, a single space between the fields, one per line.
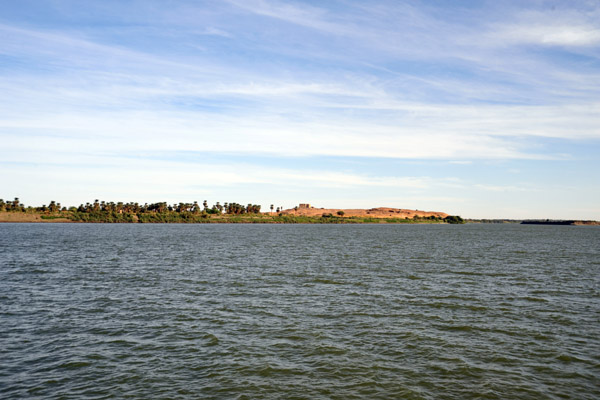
x=484 y=109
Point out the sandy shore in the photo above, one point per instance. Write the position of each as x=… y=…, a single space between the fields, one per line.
x=27 y=217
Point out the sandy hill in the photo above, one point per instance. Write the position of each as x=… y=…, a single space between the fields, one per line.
x=379 y=212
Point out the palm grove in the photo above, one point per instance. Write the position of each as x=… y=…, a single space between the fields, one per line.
x=103 y=211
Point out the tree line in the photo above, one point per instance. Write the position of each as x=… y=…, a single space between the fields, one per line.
x=230 y=208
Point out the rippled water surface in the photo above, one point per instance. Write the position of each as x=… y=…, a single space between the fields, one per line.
x=299 y=311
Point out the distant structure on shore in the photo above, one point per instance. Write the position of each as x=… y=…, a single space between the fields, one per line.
x=304 y=205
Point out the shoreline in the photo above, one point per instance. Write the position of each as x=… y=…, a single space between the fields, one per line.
x=267 y=218
x=292 y=216
x=186 y=218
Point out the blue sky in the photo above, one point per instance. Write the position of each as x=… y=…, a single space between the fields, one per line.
x=486 y=109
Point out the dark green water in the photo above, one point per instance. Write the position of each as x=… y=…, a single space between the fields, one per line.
x=299 y=311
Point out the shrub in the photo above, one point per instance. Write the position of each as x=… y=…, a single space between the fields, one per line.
x=454 y=219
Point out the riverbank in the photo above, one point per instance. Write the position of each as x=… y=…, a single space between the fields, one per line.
x=175 y=217
x=560 y=222
x=32 y=217
x=285 y=217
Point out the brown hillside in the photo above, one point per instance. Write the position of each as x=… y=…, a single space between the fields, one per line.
x=379 y=212
x=27 y=217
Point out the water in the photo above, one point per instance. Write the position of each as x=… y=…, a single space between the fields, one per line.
x=299 y=311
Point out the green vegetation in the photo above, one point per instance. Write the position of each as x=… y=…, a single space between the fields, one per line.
x=454 y=219
x=47 y=217
x=229 y=212
x=101 y=216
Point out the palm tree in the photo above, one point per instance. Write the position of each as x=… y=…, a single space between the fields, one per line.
x=272 y=207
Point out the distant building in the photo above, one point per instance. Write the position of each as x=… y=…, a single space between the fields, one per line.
x=304 y=205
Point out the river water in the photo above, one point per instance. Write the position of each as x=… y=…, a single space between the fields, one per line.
x=299 y=311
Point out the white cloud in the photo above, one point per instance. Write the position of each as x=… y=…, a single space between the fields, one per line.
x=303 y=15
x=552 y=35
x=142 y=179
x=418 y=131
x=561 y=26
x=461 y=162
x=503 y=188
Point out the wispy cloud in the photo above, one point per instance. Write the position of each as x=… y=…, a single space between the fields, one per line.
x=108 y=176
x=505 y=188
x=559 y=35
x=299 y=14
x=562 y=26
